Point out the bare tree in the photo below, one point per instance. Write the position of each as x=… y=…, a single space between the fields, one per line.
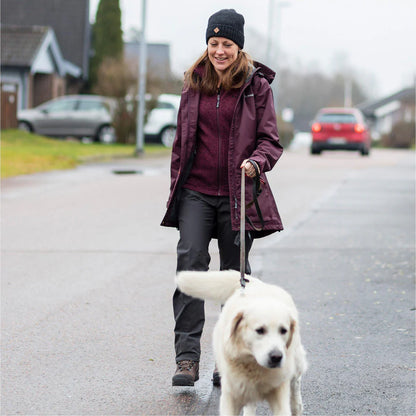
x=116 y=79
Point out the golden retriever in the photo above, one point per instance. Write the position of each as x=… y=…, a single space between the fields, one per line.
x=256 y=340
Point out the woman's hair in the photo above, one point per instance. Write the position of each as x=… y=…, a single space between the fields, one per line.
x=234 y=76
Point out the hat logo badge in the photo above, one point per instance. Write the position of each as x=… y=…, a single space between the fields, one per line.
x=216 y=30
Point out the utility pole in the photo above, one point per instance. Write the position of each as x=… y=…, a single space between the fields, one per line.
x=141 y=105
x=269 y=33
x=347 y=92
x=274 y=30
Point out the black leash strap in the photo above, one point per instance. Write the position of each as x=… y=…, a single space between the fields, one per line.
x=243 y=217
x=243 y=229
x=256 y=193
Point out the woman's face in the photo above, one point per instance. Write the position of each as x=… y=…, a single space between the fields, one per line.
x=222 y=52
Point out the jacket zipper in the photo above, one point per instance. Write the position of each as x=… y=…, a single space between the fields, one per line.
x=219 y=142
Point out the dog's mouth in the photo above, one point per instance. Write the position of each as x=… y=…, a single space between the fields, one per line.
x=274 y=365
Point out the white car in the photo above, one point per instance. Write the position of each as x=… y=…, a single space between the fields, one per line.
x=301 y=140
x=162 y=120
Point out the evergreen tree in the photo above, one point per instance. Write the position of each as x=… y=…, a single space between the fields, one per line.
x=107 y=36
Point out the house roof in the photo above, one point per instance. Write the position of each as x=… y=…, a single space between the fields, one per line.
x=23 y=46
x=405 y=95
x=20 y=44
x=69 y=20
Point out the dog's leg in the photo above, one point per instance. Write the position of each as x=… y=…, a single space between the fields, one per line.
x=228 y=405
x=296 y=397
x=279 y=400
x=249 y=409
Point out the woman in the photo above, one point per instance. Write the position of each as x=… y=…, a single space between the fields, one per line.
x=226 y=121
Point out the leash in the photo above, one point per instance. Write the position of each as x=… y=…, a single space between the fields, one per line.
x=243 y=229
x=256 y=192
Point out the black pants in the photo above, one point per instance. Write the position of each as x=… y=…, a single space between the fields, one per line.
x=200 y=218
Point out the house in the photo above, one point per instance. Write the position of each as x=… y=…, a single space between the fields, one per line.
x=69 y=21
x=44 y=53
x=158 y=58
x=32 y=63
x=384 y=113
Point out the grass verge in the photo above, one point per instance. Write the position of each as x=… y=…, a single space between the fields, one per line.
x=24 y=153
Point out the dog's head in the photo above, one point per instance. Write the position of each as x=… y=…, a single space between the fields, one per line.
x=265 y=331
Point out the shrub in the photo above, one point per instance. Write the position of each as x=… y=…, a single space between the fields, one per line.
x=402 y=135
x=116 y=79
x=286 y=132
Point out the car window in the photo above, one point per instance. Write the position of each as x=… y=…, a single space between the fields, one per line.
x=92 y=105
x=337 y=118
x=61 y=105
x=165 y=105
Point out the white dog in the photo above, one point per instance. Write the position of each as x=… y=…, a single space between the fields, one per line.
x=256 y=341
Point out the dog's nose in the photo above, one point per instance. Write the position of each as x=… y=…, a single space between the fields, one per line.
x=275 y=358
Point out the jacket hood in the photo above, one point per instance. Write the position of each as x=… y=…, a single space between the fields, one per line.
x=258 y=68
x=265 y=71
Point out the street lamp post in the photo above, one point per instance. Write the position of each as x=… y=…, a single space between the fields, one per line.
x=273 y=59
x=347 y=91
x=280 y=6
x=142 y=85
x=269 y=34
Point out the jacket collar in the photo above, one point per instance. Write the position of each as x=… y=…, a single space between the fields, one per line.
x=258 y=67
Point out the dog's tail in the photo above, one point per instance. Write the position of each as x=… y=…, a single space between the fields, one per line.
x=216 y=285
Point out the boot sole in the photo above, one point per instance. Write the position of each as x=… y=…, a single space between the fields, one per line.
x=216 y=379
x=181 y=380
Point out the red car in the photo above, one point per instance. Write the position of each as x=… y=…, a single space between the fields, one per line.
x=340 y=129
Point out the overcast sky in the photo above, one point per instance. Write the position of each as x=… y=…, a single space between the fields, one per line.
x=374 y=38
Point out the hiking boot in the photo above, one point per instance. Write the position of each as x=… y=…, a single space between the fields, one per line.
x=187 y=372
x=216 y=378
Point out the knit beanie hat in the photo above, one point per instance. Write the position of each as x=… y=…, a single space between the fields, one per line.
x=227 y=23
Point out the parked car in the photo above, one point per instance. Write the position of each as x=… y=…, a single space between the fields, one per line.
x=71 y=115
x=162 y=120
x=340 y=129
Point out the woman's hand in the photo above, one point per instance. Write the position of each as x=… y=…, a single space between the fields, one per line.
x=250 y=169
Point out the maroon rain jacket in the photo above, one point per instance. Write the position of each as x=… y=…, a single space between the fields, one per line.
x=253 y=135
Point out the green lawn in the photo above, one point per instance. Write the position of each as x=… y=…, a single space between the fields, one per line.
x=24 y=153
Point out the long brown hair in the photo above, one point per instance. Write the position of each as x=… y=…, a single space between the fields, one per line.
x=234 y=76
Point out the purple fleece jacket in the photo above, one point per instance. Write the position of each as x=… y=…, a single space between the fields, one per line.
x=209 y=173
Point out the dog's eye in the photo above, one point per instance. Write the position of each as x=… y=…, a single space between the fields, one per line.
x=282 y=330
x=261 y=330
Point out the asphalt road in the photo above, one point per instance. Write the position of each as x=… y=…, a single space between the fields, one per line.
x=87 y=280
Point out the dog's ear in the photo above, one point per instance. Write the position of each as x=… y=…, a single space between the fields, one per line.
x=291 y=332
x=236 y=323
